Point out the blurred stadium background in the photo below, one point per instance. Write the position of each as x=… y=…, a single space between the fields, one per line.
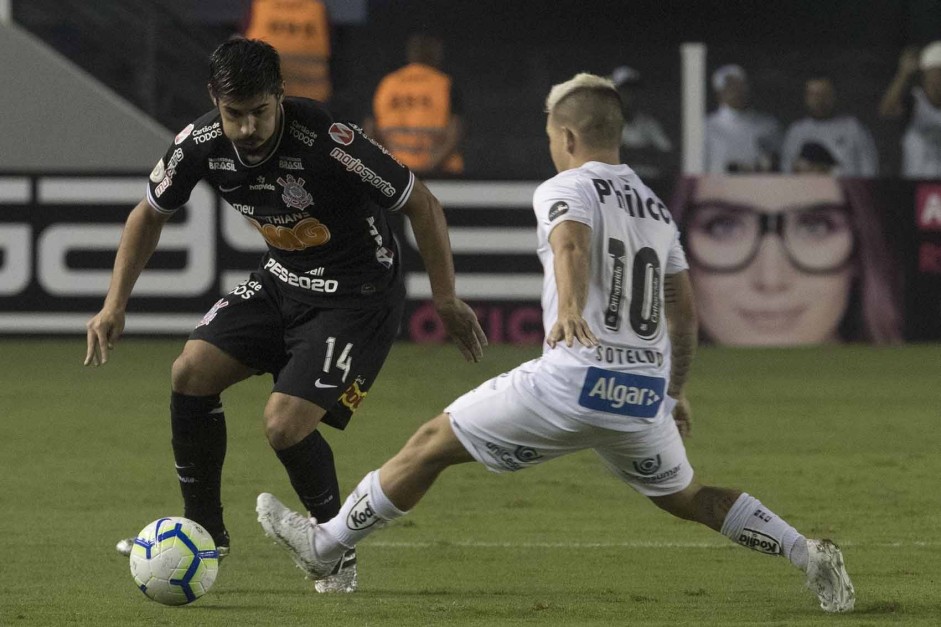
x=93 y=92
x=97 y=90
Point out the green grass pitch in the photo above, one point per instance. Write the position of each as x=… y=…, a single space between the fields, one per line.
x=842 y=441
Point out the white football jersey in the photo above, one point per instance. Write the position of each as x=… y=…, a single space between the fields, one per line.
x=620 y=384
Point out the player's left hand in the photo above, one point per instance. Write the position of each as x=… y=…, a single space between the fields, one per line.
x=571 y=328
x=462 y=325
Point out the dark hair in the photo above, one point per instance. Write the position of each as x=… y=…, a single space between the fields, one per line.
x=242 y=68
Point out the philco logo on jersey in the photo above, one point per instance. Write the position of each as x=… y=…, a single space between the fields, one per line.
x=302 y=134
x=353 y=396
x=362 y=515
x=356 y=167
x=222 y=164
x=630 y=200
x=558 y=209
x=622 y=393
x=183 y=134
x=760 y=542
x=290 y=163
x=341 y=133
x=206 y=133
x=294 y=194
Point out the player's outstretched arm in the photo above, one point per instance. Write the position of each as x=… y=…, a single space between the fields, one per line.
x=570 y=242
x=431 y=232
x=138 y=242
x=683 y=328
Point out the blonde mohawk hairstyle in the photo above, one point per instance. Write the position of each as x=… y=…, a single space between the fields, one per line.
x=584 y=80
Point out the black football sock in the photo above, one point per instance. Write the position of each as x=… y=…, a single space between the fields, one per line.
x=310 y=467
x=199 y=443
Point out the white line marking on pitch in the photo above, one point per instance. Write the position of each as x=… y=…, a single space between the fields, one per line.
x=613 y=545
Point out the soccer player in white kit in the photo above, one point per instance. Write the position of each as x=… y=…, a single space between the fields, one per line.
x=621 y=323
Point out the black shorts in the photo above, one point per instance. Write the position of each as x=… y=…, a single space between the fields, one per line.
x=329 y=357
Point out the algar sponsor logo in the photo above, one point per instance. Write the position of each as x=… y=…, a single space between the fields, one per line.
x=622 y=393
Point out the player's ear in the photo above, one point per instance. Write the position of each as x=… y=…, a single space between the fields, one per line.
x=212 y=95
x=569 y=137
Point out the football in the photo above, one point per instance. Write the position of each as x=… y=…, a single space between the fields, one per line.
x=174 y=561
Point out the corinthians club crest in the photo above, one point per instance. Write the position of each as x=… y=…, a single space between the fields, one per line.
x=294 y=194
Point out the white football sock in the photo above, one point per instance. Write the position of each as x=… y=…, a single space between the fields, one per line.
x=753 y=525
x=366 y=509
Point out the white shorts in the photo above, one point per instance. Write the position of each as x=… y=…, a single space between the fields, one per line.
x=507 y=429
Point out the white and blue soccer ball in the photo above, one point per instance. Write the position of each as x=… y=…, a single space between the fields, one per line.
x=174 y=561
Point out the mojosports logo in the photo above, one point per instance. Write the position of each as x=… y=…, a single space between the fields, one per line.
x=760 y=542
x=622 y=393
x=356 y=167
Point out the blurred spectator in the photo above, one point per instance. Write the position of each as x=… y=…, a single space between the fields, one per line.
x=814 y=158
x=739 y=139
x=843 y=140
x=300 y=31
x=417 y=111
x=921 y=143
x=644 y=144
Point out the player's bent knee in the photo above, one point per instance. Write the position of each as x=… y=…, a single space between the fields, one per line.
x=288 y=420
x=186 y=377
x=681 y=504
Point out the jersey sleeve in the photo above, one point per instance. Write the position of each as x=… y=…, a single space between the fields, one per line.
x=365 y=163
x=676 y=258
x=557 y=201
x=176 y=174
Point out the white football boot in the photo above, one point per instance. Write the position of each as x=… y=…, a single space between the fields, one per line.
x=295 y=533
x=343 y=577
x=827 y=577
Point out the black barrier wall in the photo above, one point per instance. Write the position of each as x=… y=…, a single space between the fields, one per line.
x=58 y=235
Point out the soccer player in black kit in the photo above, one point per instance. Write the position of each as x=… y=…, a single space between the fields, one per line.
x=322 y=310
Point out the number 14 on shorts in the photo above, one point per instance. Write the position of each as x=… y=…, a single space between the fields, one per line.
x=343 y=362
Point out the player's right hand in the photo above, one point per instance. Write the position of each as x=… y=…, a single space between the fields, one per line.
x=103 y=331
x=569 y=328
x=462 y=325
